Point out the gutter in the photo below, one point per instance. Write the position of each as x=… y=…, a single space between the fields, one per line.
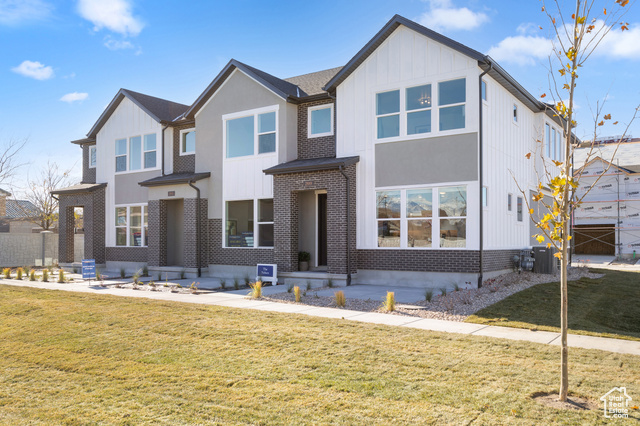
x=480 y=171
x=198 y=239
x=348 y=227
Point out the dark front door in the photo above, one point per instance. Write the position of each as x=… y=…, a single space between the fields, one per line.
x=322 y=229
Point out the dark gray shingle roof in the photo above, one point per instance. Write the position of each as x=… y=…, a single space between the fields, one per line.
x=313 y=83
x=20 y=209
x=174 y=178
x=311 y=165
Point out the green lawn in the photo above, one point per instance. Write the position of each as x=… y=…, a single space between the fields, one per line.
x=72 y=358
x=609 y=306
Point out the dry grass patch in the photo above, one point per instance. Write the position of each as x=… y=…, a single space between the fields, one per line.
x=72 y=358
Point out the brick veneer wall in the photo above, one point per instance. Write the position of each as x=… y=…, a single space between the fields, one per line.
x=157 y=221
x=218 y=255
x=191 y=237
x=88 y=173
x=320 y=147
x=182 y=163
x=3 y=205
x=467 y=261
x=93 y=204
x=286 y=211
x=127 y=254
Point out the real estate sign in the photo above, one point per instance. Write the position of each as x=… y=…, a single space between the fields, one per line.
x=88 y=269
x=267 y=273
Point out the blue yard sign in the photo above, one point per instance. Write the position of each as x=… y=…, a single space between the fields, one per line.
x=268 y=273
x=88 y=269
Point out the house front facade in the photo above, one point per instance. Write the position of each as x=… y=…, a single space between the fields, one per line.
x=407 y=165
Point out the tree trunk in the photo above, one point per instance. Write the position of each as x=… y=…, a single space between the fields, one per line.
x=564 y=301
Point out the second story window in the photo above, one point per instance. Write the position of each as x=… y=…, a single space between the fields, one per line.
x=136 y=153
x=187 y=141
x=92 y=156
x=253 y=134
x=418 y=103
x=452 y=96
x=388 y=114
x=320 y=121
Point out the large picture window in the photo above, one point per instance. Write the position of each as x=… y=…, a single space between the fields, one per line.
x=409 y=218
x=251 y=134
x=136 y=153
x=131 y=226
x=240 y=219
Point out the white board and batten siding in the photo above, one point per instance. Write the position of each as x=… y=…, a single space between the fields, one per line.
x=126 y=121
x=404 y=59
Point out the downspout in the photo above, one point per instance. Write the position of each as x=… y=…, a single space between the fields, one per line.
x=348 y=227
x=198 y=239
x=162 y=159
x=480 y=170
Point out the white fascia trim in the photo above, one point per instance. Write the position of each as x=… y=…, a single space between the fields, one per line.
x=193 y=129
x=315 y=108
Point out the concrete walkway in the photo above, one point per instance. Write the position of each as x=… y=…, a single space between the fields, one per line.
x=238 y=299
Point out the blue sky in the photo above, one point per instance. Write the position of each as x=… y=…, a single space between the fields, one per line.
x=63 y=61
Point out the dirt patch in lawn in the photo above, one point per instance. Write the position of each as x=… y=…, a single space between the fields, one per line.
x=573 y=402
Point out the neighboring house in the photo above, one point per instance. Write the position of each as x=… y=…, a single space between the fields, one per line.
x=16 y=216
x=384 y=170
x=608 y=220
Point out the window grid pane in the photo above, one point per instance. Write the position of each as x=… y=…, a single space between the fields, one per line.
x=240 y=134
x=189 y=142
x=452 y=118
x=135 y=153
x=452 y=92
x=453 y=201
x=418 y=97
x=419 y=122
x=453 y=232
x=267 y=143
x=267 y=122
x=388 y=126
x=419 y=233
x=388 y=233
x=388 y=204
x=388 y=102
x=239 y=227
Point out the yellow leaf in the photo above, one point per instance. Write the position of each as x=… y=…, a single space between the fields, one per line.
x=569 y=237
x=528 y=155
x=557 y=163
x=607 y=117
x=558 y=255
x=539 y=238
x=582 y=19
x=530 y=211
x=548 y=245
x=601 y=123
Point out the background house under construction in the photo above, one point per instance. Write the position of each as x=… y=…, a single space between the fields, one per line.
x=608 y=219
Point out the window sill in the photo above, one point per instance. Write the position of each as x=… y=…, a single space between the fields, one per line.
x=126 y=172
x=319 y=135
x=250 y=248
x=431 y=134
x=182 y=154
x=254 y=156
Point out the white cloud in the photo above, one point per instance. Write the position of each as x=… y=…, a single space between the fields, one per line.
x=34 y=70
x=620 y=44
x=442 y=15
x=114 y=15
x=118 y=44
x=15 y=12
x=74 y=97
x=522 y=49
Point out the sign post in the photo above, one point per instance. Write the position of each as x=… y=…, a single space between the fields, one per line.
x=267 y=273
x=88 y=269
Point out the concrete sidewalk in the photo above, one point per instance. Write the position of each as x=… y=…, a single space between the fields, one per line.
x=238 y=299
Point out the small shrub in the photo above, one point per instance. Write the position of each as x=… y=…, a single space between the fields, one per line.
x=165 y=285
x=247 y=280
x=61 y=276
x=339 y=299
x=256 y=290
x=7 y=273
x=45 y=275
x=428 y=295
x=289 y=287
x=390 y=302
x=152 y=285
x=75 y=270
x=19 y=273
x=456 y=287
x=194 y=287
x=136 y=277
x=99 y=276
x=178 y=285
x=159 y=276
x=32 y=275
x=145 y=271
x=330 y=283
x=236 y=283
x=223 y=283
x=443 y=291
x=183 y=273
x=296 y=293
x=308 y=285
x=122 y=273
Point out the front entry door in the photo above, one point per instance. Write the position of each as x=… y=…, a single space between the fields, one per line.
x=322 y=229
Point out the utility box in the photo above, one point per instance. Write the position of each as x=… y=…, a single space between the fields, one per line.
x=545 y=261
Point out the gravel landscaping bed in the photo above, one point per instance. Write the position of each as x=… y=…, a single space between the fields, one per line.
x=455 y=305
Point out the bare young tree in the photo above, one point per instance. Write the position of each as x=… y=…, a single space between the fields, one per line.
x=9 y=162
x=578 y=33
x=38 y=192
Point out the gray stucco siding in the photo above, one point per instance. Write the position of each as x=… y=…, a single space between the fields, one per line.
x=239 y=93
x=126 y=189
x=427 y=161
